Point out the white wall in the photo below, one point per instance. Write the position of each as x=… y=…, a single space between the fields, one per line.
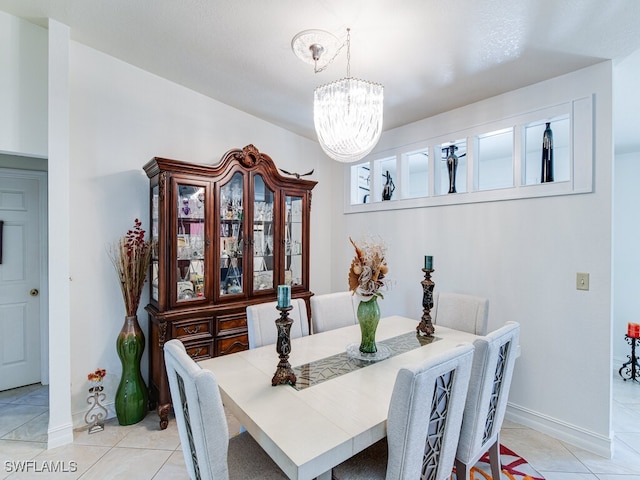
x=121 y=117
x=23 y=87
x=625 y=247
x=521 y=254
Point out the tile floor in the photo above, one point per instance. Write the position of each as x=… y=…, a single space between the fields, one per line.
x=142 y=451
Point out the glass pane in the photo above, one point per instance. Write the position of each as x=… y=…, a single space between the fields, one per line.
x=534 y=133
x=453 y=167
x=418 y=167
x=231 y=229
x=293 y=241
x=387 y=168
x=360 y=184
x=190 y=242
x=495 y=160
x=155 y=226
x=263 y=253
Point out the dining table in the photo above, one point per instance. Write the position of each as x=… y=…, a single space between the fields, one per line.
x=339 y=403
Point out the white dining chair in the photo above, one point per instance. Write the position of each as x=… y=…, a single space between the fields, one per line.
x=208 y=452
x=423 y=423
x=459 y=311
x=333 y=310
x=493 y=363
x=261 y=320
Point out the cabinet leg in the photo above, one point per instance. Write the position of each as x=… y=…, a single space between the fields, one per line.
x=163 y=413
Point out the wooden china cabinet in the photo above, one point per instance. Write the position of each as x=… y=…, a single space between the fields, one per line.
x=225 y=237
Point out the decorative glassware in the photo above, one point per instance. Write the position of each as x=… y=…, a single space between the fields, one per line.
x=368 y=317
x=132 y=397
x=547 y=155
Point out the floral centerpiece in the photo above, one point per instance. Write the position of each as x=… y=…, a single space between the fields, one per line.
x=131 y=256
x=366 y=279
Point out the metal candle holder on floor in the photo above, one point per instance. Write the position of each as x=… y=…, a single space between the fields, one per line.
x=97 y=412
x=425 y=327
x=284 y=373
x=631 y=368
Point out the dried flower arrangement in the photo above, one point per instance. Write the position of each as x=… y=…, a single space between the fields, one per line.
x=131 y=256
x=97 y=376
x=368 y=268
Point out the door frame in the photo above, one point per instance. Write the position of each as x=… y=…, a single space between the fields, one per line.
x=43 y=243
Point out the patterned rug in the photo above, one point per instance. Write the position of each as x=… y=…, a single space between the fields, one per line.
x=514 y=467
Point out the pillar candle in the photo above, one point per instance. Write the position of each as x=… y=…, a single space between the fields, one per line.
x=428 y=262
x=284 y=296
x=633 y=330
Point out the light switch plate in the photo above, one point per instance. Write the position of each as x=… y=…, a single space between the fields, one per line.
x=582 y=281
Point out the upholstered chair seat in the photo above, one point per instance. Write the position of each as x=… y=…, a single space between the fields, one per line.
x=459 y=311
x=491 y=375
x=333 y=310
x=208 y=452
x=261 y=320
x=423 y=425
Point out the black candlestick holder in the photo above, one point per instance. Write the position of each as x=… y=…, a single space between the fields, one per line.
x=284 y=373
x=425 y=327
x=631 y=368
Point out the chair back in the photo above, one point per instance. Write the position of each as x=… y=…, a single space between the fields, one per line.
x=493 y=363
x=425 y=414
x=202 y=423
x=467 y=313
x=261 y=320
x=333 y=310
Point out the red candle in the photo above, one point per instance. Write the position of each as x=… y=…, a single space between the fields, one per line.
x=633 y=330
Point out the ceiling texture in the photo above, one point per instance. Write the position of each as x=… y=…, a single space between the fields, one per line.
x=431 y=55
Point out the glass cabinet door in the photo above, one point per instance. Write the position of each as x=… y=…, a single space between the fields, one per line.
x=155 y=239
x=231 y=231
x=190 y=242
x=293 y=241
x=263 y=236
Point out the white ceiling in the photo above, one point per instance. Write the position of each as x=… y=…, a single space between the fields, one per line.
x=431 y=55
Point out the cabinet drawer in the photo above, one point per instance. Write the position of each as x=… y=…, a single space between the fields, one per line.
x=200 y=350
x=194 y=327
x=233 y=344
x=233 y=322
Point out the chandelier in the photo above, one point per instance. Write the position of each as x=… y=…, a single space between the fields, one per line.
x=347 y=113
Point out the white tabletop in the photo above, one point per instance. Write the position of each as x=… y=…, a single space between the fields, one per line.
x=309 y=431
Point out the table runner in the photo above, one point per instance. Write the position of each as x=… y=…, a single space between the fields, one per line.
x=318 y=371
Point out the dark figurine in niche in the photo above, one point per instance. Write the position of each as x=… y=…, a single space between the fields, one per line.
x=452 y=166
x=547 y=155
x=389 y=187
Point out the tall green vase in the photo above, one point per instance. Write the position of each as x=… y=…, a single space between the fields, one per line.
x=368 y=317
x=132 y=396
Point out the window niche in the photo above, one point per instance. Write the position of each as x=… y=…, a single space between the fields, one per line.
x=494 y=152
x=533 y=139
x=452 y=167
x=386 y=176
x=360 y=184
x=414 y=181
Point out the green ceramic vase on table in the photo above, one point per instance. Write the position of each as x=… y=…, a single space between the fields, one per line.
x=368 y=317
x=132 y=396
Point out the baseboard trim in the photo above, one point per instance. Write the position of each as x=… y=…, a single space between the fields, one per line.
x=592 y=442
x=60 y=435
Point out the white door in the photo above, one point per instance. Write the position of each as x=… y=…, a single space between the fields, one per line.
x=19 y=281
